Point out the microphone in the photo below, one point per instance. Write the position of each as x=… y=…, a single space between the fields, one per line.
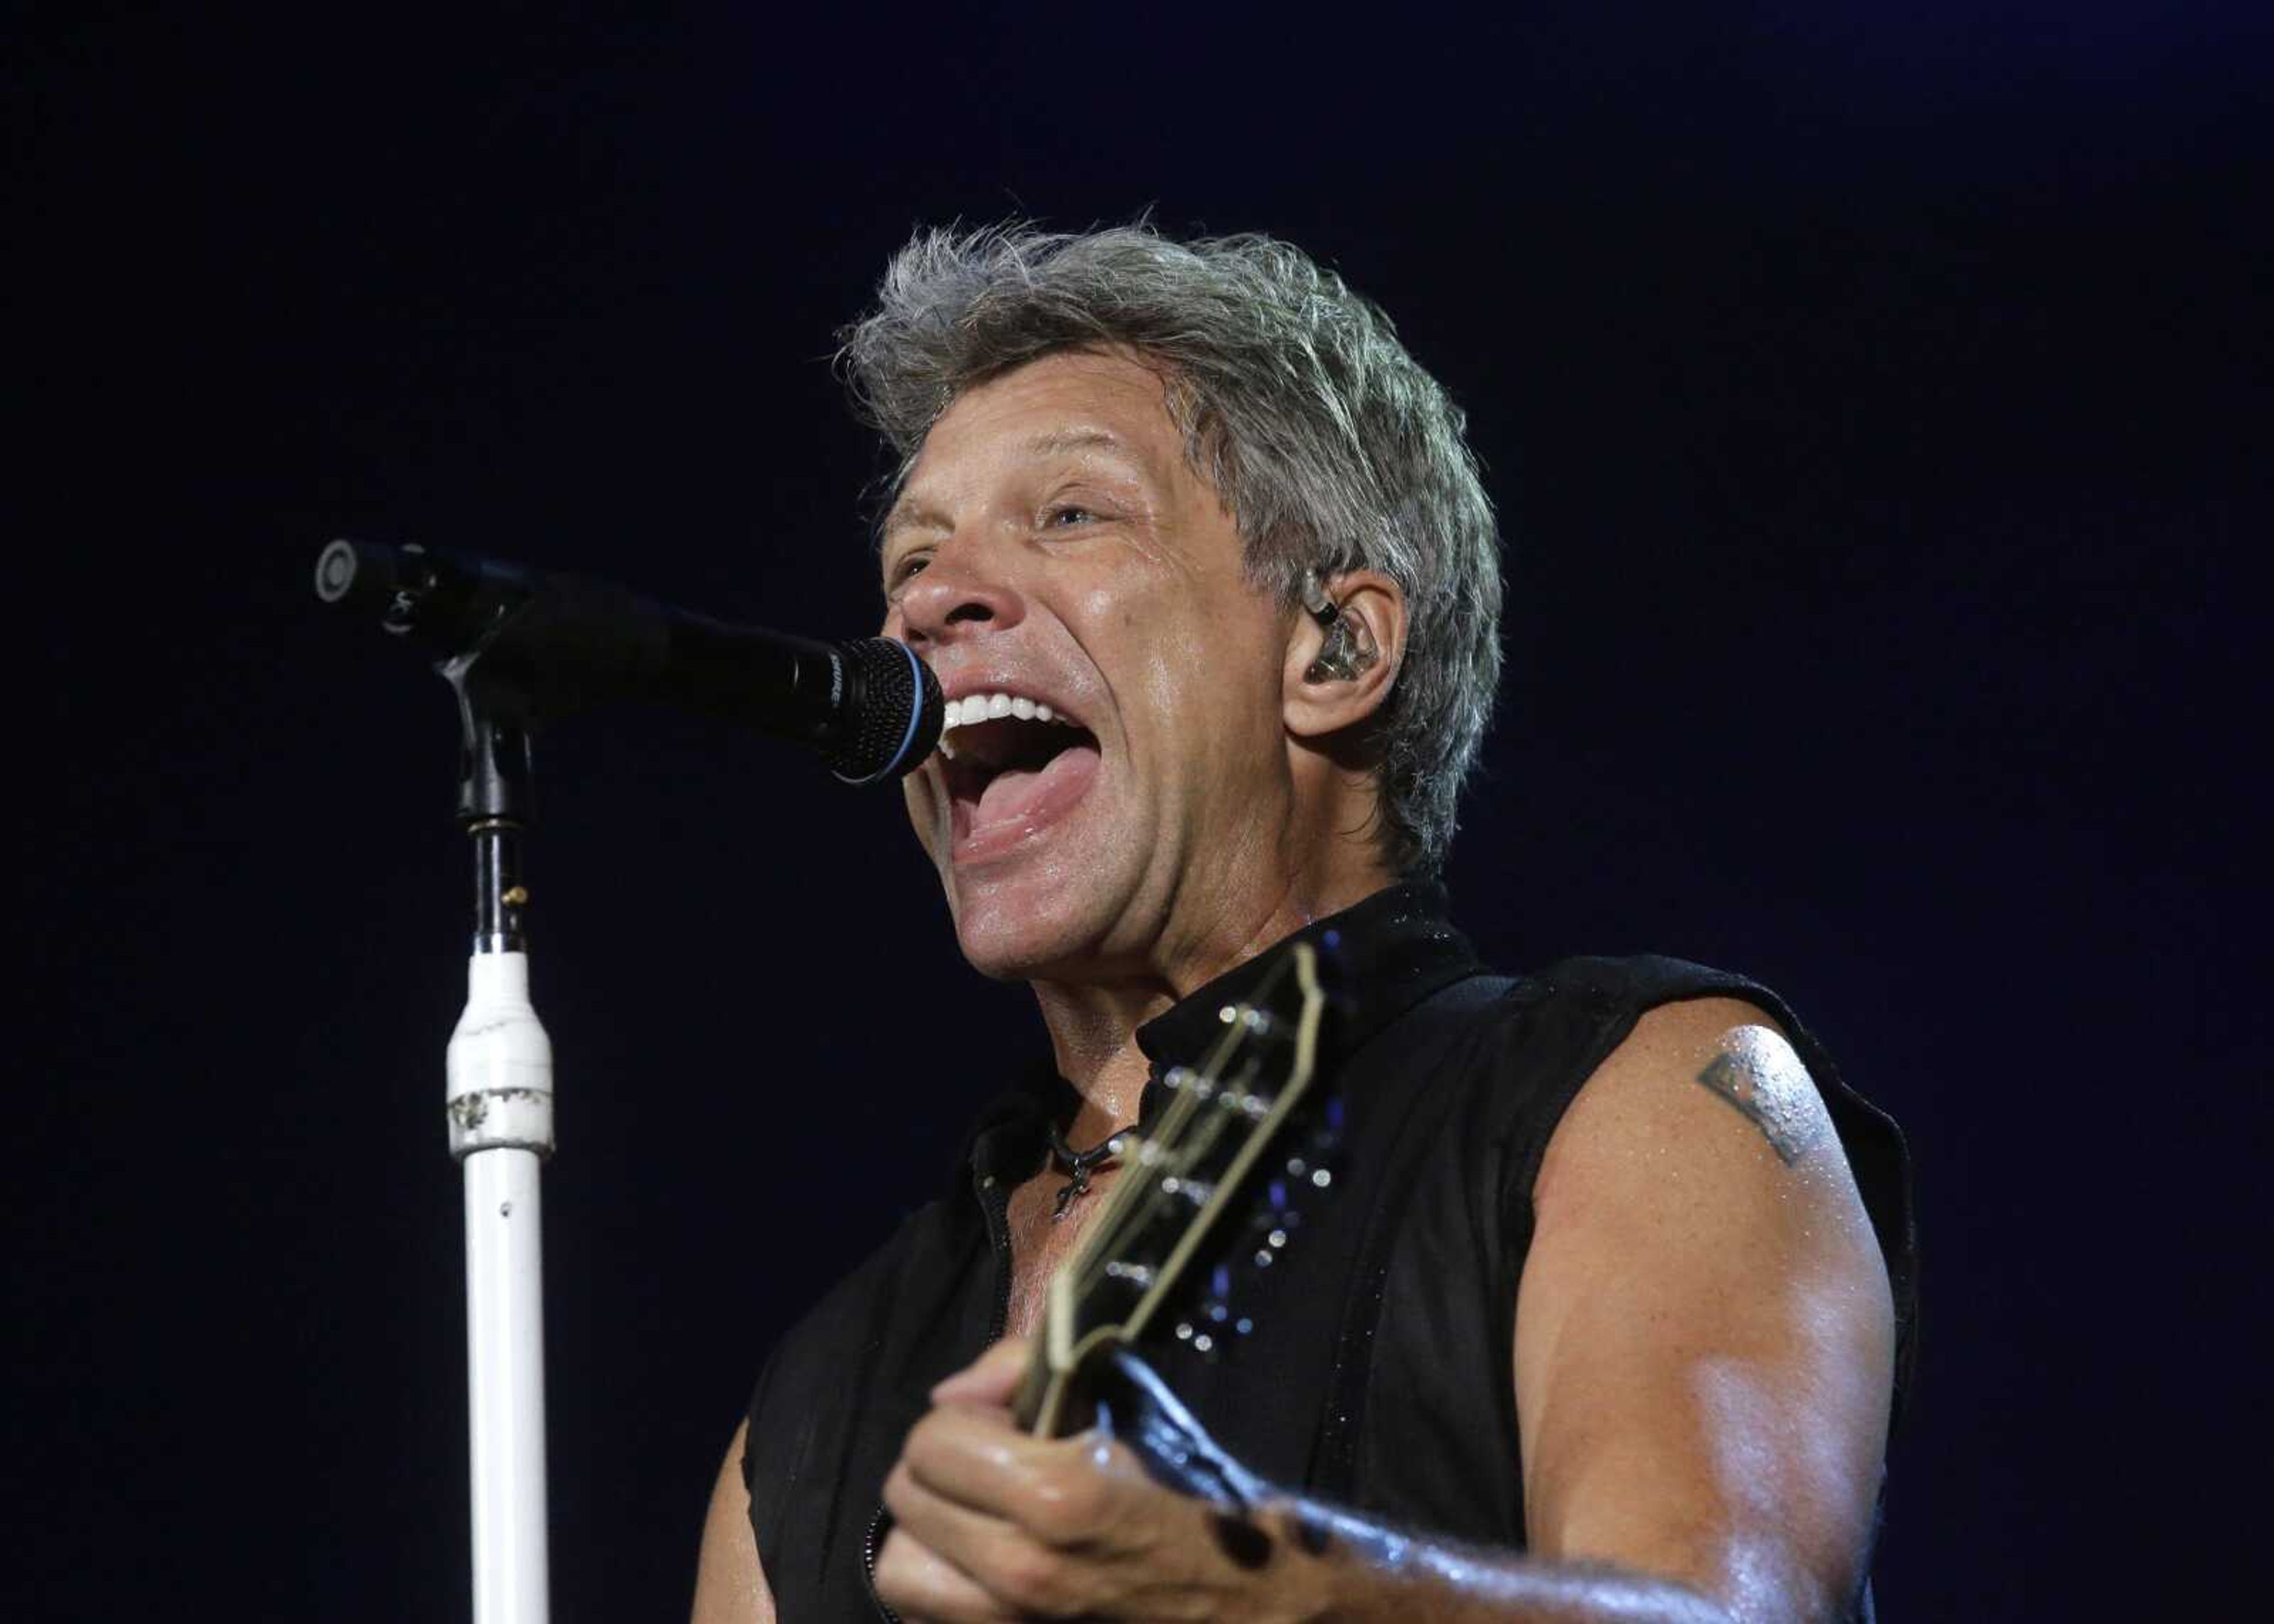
x=563 y=643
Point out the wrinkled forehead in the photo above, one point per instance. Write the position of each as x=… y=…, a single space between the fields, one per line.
x=1077 y=408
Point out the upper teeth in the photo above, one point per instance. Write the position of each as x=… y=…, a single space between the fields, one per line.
x=989 y=707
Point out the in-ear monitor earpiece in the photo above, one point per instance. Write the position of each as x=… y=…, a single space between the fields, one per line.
x=1349 y=648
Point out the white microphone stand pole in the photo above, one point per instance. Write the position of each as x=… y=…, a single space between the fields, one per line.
x=501 y=1121
x=547 y=645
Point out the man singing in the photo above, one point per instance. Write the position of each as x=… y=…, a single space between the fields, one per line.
x=1602 y=1318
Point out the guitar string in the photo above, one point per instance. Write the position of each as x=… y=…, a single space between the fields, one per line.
x=1119 y=1219
x=1112 y=1221
x=1135 y=1200
x=1123 y=1220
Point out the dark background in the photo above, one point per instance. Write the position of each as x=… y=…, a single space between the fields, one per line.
x=1873 y=400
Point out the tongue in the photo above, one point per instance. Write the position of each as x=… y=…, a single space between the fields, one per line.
x=1015 y=791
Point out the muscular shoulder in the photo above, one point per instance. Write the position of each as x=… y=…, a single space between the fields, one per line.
x=1703 y=1331
x=1704 y=1113
x=1713 y=1076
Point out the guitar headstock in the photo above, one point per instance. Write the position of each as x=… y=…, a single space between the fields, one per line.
x=1235 y=1129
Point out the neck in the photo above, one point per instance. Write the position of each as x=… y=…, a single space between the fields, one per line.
x=1092 y=1022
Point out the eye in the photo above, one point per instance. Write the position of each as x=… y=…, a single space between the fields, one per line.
x=907 y=570
x=1068 y=516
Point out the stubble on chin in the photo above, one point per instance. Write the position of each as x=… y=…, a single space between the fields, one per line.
x=1021 y=931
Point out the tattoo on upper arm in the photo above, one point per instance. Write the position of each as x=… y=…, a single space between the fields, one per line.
x=1774 y=1093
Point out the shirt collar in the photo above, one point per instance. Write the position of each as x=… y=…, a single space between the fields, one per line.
x=1380 y=957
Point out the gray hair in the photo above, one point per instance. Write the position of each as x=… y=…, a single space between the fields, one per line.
x=1329 y=446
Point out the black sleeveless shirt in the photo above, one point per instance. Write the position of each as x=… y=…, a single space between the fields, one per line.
x=1377 y=1374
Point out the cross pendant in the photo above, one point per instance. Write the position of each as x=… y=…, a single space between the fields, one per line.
x=1073 y=1188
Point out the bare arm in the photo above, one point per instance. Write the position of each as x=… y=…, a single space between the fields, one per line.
x=1703 y=1360
x=1705 y=1338
x=730 y=1587
x=1703 y=1355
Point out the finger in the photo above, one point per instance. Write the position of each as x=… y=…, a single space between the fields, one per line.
x=1062 y=1490
x=974 y=1457
x=923 y=1587
x=1022 y=1574
x=991 y=1379
x=1061 y=1494
x=957 y=1532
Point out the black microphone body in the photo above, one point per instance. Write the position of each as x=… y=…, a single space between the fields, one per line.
x=561 y=643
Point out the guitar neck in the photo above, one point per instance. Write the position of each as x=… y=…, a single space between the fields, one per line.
x=1177 y=1182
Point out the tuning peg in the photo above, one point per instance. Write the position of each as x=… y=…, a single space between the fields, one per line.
x=1200 y=1339
x=1303 y=1170
x=1261 y=1026
x=1213 y=1328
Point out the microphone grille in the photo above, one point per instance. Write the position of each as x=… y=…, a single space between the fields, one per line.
x=893 y=713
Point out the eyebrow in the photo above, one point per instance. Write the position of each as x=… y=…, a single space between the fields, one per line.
x=1073 y=439
x=905 y=514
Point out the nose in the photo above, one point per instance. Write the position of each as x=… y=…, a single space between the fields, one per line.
x=955 y=596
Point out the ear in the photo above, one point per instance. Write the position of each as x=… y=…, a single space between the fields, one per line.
x=1317 y=709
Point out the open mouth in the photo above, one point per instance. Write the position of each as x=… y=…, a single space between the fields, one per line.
x=1010 y=765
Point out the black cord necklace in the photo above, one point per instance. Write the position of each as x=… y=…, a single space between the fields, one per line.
x=1081 y=1164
